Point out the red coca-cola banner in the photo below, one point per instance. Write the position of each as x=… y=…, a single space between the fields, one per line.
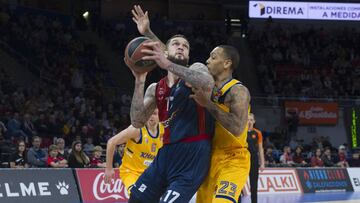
x=93 y=188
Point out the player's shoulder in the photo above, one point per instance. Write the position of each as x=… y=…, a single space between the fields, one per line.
x=239 y=90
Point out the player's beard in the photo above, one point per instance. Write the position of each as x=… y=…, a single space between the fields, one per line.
x=183 y=62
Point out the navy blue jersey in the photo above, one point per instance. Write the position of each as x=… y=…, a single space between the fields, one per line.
x=183 y=119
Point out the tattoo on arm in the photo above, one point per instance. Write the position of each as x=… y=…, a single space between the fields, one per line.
x=236 y=119
x=197 y=75
x=142 y=106
x=153 y=37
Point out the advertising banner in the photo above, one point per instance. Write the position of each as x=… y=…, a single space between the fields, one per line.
x=93 y=188
x=38 y=185
x=313 y=113
x=354 y=174
x=304 y=10
x=324 y=179
x=276 y=181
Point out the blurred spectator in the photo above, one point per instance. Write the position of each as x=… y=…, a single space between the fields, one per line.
x=340 y=159
x=36 y=157
x=118 y=155
x=62 y=151
x=28 y=126
x=268 y=143
x=14 y=127
x=53 y=160
x=96 y=160
x=88 y=146
x=316 y=160
x=77 y=157
x=355 y=161
x=269 y=157
x=3 y=129
x=286 y=158
x=292 y=123
x=327 y=158
x=298 y=157
x=18 y=159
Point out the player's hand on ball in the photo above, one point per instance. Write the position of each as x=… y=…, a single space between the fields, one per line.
x=137 y=75
x=156 y=54
x=109 y=175
x=141 y=19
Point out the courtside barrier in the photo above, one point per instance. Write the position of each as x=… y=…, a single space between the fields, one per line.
x=354 y=174
x=38 y=185
x=87 y=185
x=324 y=179
x=276 y=181
x=93 y=189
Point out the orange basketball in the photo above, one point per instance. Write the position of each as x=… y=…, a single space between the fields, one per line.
x=133 y=55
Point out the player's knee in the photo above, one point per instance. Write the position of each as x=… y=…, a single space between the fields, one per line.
x=133 y=199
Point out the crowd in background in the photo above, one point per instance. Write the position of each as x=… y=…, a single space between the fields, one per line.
x=202 y=35
x=307 y=62
x=69 y=124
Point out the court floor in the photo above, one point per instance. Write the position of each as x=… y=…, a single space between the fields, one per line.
x=330 y=197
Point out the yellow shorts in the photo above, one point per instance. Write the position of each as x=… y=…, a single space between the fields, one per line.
x=129 y=178
x=228 y=174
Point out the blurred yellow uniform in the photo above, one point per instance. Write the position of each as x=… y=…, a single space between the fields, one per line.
x=230 y=161
x=139 y=155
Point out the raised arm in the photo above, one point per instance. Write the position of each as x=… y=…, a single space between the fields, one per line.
x=120 y=138
x=142 y=106
x=142 y=21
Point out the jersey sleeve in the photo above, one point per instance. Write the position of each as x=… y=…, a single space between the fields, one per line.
x=260 y=137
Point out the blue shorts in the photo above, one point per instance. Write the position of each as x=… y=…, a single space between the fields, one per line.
x=176 y=173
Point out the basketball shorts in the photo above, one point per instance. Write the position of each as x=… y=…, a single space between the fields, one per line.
x=129 y=178
x=176 y=173
x=228 y=174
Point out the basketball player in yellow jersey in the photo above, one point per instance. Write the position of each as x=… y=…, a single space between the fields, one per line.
x=141 y=148
x=229 y=104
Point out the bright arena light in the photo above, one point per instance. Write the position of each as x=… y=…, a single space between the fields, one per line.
x=86 y=14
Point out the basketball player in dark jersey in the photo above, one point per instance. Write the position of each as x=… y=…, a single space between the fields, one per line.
x=183 y=162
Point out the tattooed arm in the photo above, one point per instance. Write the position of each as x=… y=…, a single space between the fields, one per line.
x=235 y=120
x=142 y=21
x=142 y=106
x=197 y=75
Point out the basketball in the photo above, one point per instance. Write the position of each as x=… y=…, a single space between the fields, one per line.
x=133 y=55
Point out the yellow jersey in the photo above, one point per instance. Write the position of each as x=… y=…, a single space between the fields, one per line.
x=139 y=155
x=223 y=139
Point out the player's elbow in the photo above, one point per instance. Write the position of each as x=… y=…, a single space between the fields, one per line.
x=206 y=82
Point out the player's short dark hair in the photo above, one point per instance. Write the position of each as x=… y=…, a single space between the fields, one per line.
x=231 y=53
x=175 y=36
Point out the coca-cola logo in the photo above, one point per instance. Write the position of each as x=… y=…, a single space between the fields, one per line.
x=103 y=191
